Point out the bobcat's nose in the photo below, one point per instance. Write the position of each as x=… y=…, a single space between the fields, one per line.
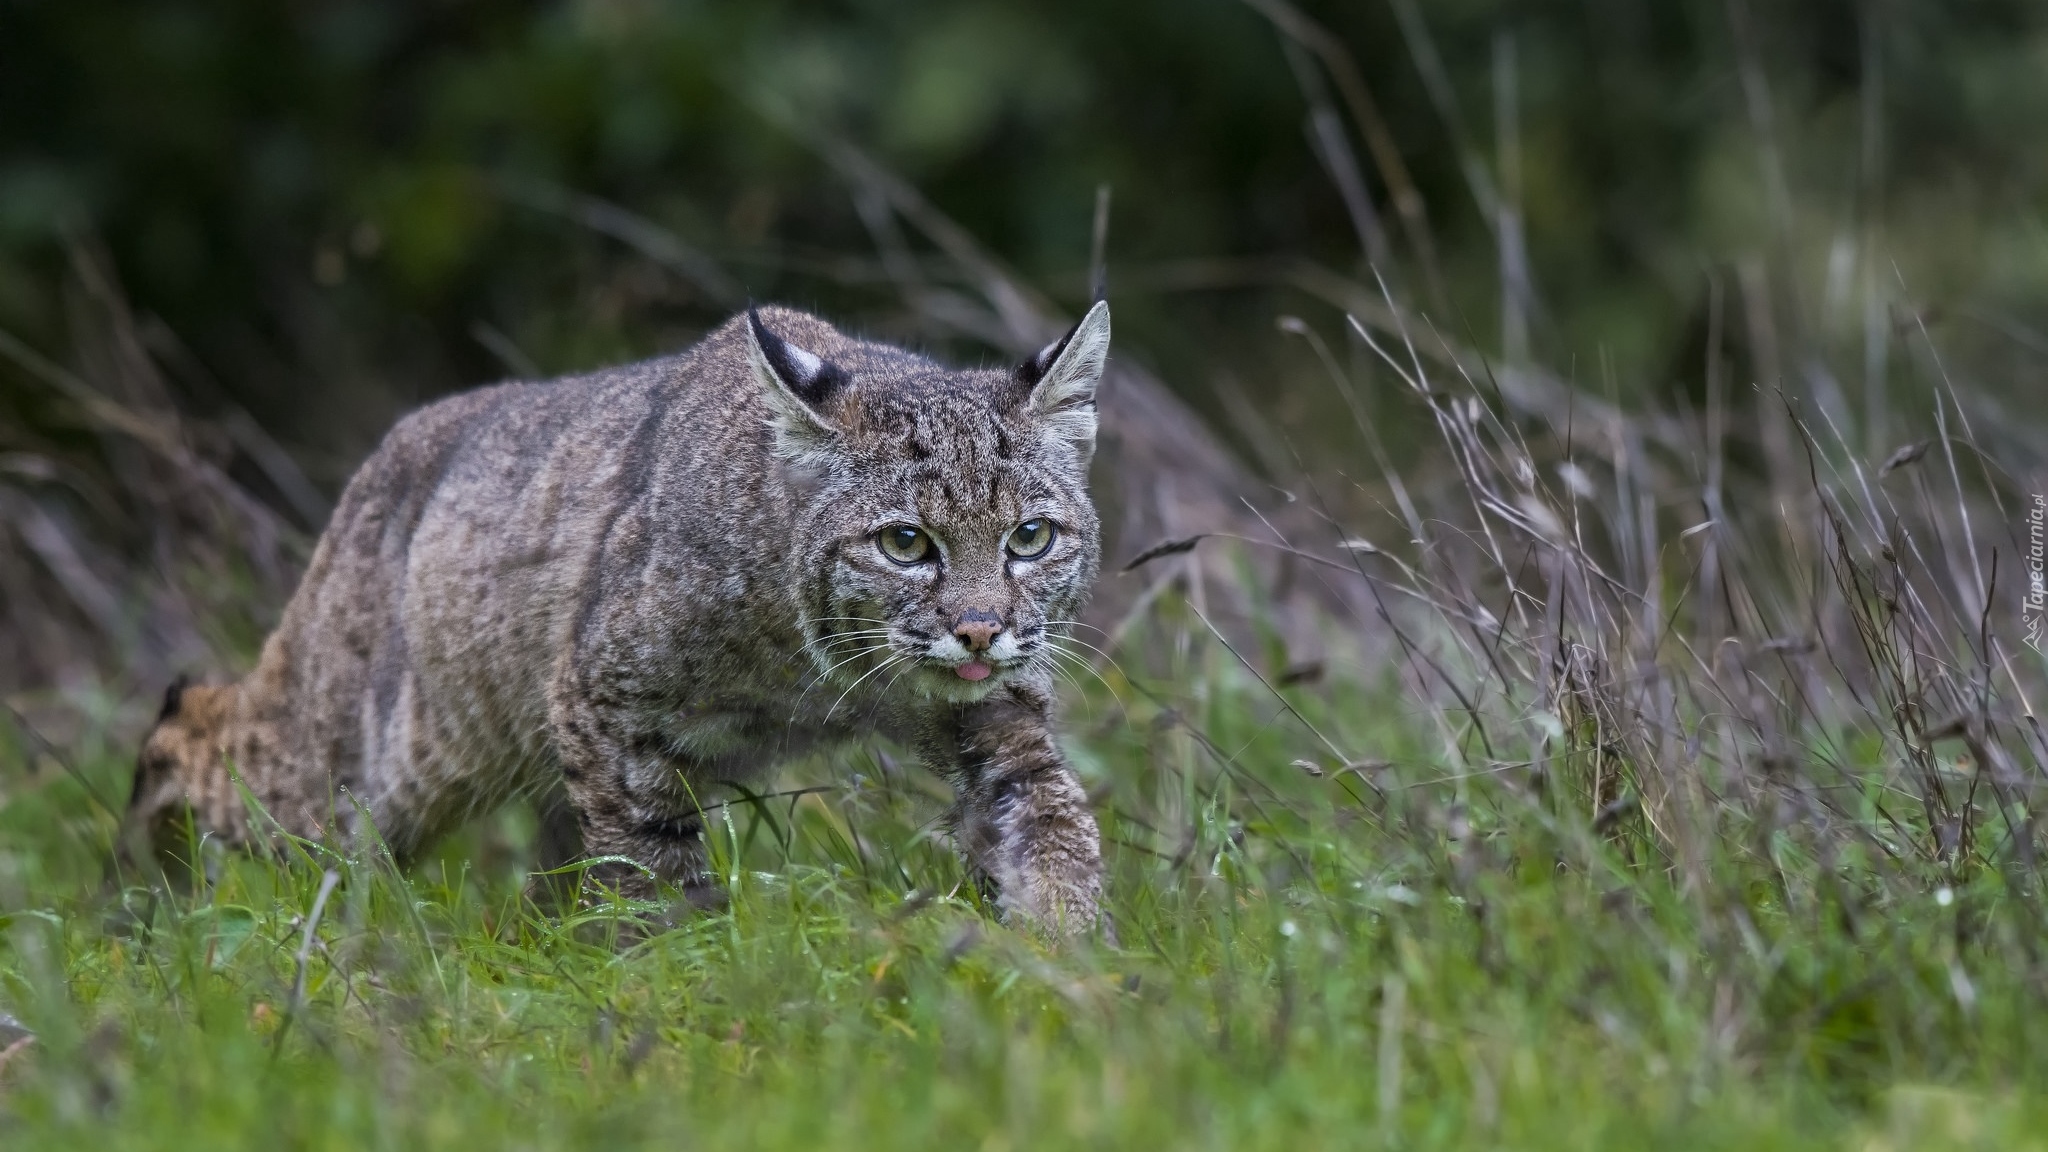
x=978 y=629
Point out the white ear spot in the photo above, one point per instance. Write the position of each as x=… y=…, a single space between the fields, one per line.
x=806 y=363
x=797 y=383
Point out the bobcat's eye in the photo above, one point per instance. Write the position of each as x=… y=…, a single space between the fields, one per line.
x=1031 y=539
x=904 y=544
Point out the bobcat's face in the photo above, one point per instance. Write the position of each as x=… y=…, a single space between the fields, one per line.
x=947 y=538
x=950 y=564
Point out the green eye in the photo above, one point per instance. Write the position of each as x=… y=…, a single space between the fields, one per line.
x=904 y=544
x=1031 y=539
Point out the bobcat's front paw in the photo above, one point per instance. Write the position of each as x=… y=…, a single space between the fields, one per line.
x=1050 y=875
x=1057 y=905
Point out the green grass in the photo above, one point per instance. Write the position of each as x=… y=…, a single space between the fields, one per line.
x=1407 y=957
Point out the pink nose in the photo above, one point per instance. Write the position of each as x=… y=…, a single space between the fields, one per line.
x=978 y=629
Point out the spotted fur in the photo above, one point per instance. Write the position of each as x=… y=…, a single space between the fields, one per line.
x=648 y=582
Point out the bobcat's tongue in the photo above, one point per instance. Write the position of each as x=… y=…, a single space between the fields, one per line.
x=972 y=670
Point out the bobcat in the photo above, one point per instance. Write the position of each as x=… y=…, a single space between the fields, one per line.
x=651 y=580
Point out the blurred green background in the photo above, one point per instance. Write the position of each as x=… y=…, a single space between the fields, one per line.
x=324 y=212
x=311 y=194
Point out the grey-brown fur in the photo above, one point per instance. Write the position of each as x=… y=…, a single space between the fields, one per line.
x=649 y=580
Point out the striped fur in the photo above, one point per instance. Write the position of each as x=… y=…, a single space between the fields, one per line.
x=644 y=583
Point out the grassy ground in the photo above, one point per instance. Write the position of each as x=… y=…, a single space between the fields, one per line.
x=1378 y=957
x=1673 y=779
x=1674 y=784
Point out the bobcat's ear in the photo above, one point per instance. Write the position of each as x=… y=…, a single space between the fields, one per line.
x=1063 y=376
x=798 y=385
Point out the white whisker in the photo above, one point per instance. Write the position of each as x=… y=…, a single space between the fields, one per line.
x=899 y=657
x=822 y=677
x=1106 y=657
x=844 y=637
x=896 y=677
x=1077 y=658
x=850 y=658
x=1065 y=676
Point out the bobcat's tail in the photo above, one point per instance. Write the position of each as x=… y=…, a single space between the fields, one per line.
x=181 y=775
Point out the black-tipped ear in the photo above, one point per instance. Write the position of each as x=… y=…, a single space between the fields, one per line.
x=810 y=378
x=1063 y=376
x=798 y=385
x=1033 y=370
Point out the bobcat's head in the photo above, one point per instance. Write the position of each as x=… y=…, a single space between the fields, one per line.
x=946 y=537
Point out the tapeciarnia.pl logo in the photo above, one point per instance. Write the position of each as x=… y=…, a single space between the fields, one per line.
x=2035 y=612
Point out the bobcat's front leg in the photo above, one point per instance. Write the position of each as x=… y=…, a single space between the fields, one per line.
x=1022 y=817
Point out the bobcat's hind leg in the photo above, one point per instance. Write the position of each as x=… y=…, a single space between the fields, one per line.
x=557 y=844
x=634 y=804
